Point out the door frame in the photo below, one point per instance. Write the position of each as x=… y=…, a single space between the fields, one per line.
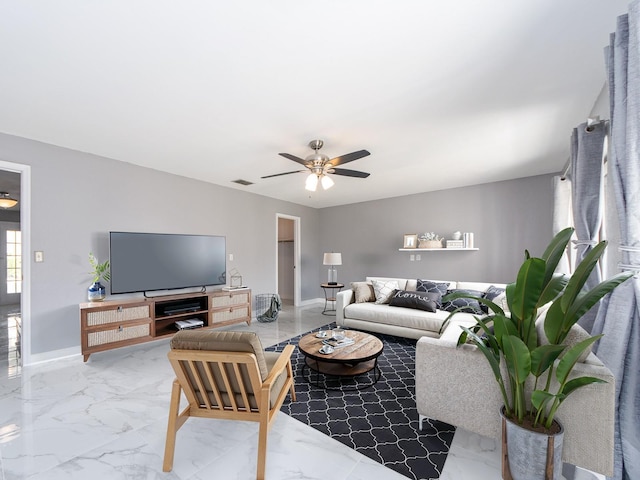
x=296 y=256
x=25 y=228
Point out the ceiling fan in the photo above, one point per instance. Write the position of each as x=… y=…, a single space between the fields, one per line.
x=320 y=165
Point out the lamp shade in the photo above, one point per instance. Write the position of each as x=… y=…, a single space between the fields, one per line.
x=332 y=259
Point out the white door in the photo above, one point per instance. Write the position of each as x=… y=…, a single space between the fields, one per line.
x=10 y=263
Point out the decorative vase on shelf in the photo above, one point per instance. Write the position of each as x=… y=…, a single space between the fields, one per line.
x=96 y=292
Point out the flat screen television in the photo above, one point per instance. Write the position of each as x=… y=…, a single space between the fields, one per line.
x=145 y=262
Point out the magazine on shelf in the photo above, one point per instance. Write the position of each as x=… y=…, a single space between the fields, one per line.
x=189 y=323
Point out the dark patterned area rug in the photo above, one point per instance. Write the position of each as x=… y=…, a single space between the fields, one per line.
x=380 y=421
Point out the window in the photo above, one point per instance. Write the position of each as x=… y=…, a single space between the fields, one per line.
x=14 y=261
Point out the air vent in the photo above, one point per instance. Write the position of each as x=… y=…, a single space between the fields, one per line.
x=242 y=182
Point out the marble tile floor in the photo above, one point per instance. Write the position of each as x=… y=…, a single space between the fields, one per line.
x=10 y=319
x=106 y=419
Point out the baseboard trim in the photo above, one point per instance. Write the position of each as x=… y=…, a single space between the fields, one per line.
x=311 y=301
x=38 y=358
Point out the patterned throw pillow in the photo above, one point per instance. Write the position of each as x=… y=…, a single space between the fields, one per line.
x=363 y=292
x=418 y=300
x=433 y=287
x=467 y=305
x=501 y=301
x=490 y=294
x=384 y=289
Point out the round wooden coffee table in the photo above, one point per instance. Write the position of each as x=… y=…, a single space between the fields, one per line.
x=359 y=358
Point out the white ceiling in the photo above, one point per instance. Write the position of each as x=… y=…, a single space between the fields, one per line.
x=443 y=94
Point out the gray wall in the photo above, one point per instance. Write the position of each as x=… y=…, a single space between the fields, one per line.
x=78 y=198
x=505 y=217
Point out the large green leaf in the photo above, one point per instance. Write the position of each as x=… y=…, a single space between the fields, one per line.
x=539 y=398
x=517 y=358
x=553 y=322
x=570 y=357
x=543 y=357
x=503 y=325
x=492 y=358
x=575 y=383
x=555 y=250
x=553 y=288
x=528 y=288
x=581 y=274
x=585 y=301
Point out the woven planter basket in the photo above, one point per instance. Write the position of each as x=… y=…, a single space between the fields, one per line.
x=430 y=244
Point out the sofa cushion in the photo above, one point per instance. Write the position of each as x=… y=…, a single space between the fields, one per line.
x=363 y=292
x=399 y=316
x=433 y=287
x=384 y=289
x=419 y=300
x=467 y=305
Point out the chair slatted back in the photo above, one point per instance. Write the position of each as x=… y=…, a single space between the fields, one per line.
x=218 y=381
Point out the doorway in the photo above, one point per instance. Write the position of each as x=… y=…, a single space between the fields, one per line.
x=14 y=269
x=288 y=258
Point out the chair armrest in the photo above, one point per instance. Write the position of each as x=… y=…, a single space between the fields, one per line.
x=343 y=299
x=279 y=366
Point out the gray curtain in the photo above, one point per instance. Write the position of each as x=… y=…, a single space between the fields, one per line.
x=563 y=218
x=619 y=317
x=587 y=148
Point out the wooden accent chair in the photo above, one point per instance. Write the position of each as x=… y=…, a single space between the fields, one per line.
x=227 y=375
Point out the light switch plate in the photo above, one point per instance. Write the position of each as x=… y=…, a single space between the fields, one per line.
x=38 y=256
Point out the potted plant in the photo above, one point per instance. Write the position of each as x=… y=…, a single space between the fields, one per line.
x=100 y=271
x=510 y=338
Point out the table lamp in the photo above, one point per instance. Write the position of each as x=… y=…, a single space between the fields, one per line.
x=332 y=259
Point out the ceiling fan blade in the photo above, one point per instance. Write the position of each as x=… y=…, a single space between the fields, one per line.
x=349 y=173
x=294 y=158
x=285 y=173
x=349 y=157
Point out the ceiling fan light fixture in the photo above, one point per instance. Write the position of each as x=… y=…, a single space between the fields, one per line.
x=311 y=183
x=6 y=201
x=326 y=181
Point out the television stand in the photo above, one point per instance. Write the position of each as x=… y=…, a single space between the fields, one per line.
x=113 y=324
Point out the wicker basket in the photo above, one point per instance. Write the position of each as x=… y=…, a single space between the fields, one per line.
x=268 y=307
x=430 y=244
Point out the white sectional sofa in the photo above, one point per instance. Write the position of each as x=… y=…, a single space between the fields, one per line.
x=401 y=321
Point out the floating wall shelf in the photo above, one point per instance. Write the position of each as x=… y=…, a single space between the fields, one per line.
x=437 y=249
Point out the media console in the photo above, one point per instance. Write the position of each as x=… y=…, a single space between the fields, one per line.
x=112 y=324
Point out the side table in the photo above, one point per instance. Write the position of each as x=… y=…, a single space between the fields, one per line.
x=330 y=292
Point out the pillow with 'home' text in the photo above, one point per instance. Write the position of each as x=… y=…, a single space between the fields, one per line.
x=419 y=300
